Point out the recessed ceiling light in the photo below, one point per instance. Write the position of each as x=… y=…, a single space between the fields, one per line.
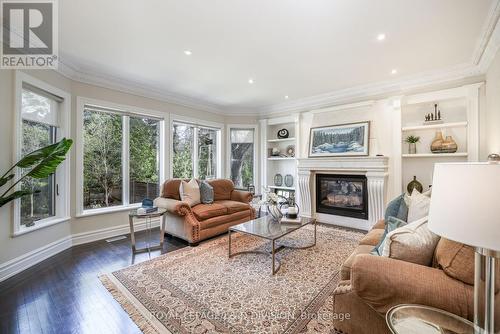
x=380 y=37
x=188 y=52
x=286 y=97
x=394 y=71
x=250 y=81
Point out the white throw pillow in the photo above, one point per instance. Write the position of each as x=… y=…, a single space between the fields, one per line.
x=418 y=206
x=411 y=243
x=190 y=192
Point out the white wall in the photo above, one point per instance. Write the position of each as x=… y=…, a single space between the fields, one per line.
x=11 y=248
x=492 y=113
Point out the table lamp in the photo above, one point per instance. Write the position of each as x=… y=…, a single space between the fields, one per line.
x=465 y=207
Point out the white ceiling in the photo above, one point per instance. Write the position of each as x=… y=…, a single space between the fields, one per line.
x=298 y=48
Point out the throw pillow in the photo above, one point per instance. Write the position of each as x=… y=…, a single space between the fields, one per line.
x=397 y=208
x=411 y=243
x=391 y=224
x=418 y=206
x=190 y=192
x=206 y=193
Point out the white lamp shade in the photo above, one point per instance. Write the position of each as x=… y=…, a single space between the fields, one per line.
x=465 y=203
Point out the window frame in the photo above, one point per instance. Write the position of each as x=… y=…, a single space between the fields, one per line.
x=196 y=123
x=62 y=179
x=256 y=138
x=127 y=111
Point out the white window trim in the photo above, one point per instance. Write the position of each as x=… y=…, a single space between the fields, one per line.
x=256 y=139
x=80 y=105
x=201 y=123
x=63 y=171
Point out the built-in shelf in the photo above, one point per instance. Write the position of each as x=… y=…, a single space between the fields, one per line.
x=282 y=188
x=435 y=126
x=281 y=140
x=435 y=155
x=280 y=158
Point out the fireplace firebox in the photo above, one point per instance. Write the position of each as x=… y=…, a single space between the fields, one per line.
x=342 y=195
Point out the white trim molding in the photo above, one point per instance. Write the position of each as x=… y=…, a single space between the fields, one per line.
x=23 y=262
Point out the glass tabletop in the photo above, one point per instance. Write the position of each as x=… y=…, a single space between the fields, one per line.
x=420 y=319
x=269 y=228
x=157 y=213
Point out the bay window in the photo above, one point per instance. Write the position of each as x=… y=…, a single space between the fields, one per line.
x=242 y=157
x=42 y=119
x=121 y=163
x=195 y=151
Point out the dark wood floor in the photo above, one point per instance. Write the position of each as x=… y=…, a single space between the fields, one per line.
x=64 y=295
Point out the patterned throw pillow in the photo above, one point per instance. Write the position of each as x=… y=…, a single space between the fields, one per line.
x=391 y=224
x=206 y=193
x=397 y=208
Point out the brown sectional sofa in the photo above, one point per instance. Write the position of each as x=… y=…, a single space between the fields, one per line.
x=202 y=221
x=370 y=285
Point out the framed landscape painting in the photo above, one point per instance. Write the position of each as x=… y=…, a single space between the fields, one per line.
x=339 y=140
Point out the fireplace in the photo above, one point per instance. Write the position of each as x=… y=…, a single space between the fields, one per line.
x=342 y=195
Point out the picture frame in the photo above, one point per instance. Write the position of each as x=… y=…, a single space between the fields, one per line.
x=351 y=139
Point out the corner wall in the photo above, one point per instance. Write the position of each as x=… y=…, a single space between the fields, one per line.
x=492 y=112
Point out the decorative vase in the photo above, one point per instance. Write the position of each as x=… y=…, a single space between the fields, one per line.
x=274 y=211
x=449 y=145
x=412 y=148
x=437 y=143
x=414 y=185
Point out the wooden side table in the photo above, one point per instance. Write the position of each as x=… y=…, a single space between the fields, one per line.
x=148 y=217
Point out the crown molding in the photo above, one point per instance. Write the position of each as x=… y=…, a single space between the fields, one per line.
x=486 y=48
x=73 y=71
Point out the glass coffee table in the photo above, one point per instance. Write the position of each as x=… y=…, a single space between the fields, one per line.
x=421 y=319
x=268 y=228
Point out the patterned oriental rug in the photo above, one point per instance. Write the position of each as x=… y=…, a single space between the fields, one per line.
x=200 y=290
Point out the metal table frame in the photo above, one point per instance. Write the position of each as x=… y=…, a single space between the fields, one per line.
x=148 y=217
x=274 y=250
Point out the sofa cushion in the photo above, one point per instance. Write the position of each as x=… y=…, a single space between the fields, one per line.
x=418 y=206
x=229 y=219
x=171 y=189
x=206 y=211
x=233 y=206
x=456 y=260
x=222 y=189
x=391 y=224
x=206 y=193
x=190 y=192
x=379 y=225
x=413 y=243
x=345 y=271
x=372 y=238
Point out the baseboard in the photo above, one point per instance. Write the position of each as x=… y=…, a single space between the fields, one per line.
x=23 y=262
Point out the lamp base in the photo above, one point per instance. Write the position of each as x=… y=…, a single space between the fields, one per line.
x=485 y=276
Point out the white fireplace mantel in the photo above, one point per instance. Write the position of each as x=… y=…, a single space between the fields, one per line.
x=374 y=168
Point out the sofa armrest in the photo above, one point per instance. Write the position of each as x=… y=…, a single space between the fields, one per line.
x=384 y=282
x=173 y=206
x=241 y=196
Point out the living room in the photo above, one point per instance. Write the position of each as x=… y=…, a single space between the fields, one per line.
x=250 y=166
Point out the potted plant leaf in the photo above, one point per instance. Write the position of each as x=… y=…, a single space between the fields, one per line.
x=38 y=164
x=412 y=144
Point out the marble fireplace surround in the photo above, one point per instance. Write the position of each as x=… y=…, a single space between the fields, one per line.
x=374 y=168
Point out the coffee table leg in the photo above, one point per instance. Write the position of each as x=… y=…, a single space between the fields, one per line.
x=274 y=255
x=315 y=226
x=162 y=230
x=132 y=235
x=229 y=248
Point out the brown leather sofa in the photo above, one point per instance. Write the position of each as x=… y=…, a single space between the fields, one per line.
x=370 y=285
x=202 y=221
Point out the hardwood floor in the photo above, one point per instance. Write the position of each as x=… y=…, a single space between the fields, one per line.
x=64 y=295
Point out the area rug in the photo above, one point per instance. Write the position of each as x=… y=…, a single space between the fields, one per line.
x=200 y=290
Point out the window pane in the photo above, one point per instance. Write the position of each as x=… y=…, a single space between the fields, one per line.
x=144 y=159
x=183 y=151
x=207 y=154
x=102 y=160
x=242 y=147
x=42 y=204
